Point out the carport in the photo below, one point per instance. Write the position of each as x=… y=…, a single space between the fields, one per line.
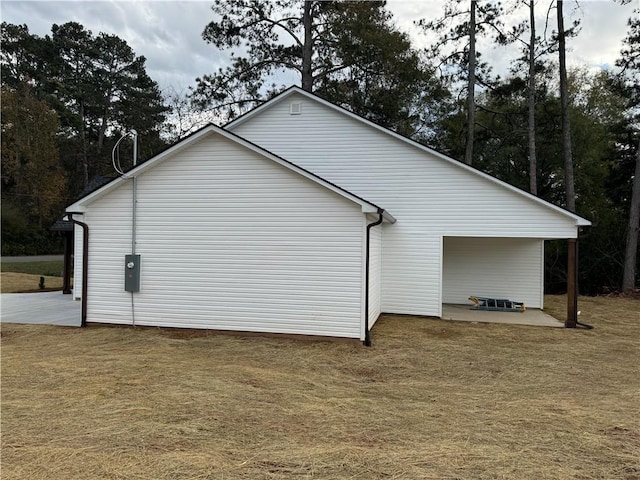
x=493 y=267
x=498 y=267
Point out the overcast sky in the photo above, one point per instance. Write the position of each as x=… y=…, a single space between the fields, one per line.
x=168 y=33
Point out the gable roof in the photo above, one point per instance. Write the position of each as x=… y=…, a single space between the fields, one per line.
x=367 y=207
x=297 y=90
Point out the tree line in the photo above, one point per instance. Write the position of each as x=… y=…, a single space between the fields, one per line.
x=570 y=136
x=66 y=98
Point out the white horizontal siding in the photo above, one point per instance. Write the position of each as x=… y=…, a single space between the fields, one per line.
x=375 y=271
x=428 y=196
x=492 y=267
x=109 y=221
x=229 y=240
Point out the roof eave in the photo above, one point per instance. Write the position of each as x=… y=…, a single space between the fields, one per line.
x=253 y=112
x=81 y=204
x=77 y=207
x=294 y=89
x=388 y=217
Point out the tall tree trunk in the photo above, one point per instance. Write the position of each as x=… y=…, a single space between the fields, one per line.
x=103 y=125
x=630 y=256
x=471 y=85
x=85 y=160
x=307 y=48
x=533 y=161
x=101 y=133
x=569 y=182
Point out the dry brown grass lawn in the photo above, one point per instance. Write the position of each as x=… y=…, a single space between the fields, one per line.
x=12 y=282
x=431 y=399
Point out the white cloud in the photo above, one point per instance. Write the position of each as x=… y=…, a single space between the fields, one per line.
x=167 y=34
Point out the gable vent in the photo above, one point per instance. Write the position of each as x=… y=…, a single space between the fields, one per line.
x=295 y=108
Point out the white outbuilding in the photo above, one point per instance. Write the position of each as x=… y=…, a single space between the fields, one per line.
x=301 y=217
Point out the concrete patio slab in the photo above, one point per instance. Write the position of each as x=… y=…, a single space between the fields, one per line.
x=46 y=308
x=532 y=317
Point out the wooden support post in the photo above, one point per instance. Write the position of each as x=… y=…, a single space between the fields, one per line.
x=66 y=269
x=572 y=283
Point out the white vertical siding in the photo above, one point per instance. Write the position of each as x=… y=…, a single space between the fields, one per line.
x=429 y=197
x=229 y=240
x=492 y=267
x=375 y=270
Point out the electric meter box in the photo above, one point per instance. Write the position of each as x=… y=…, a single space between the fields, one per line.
x=131 y=273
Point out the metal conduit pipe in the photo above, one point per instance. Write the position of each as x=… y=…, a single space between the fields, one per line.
x=134 y=206
x=85 y=265
x=135 y=193
x=367 y=334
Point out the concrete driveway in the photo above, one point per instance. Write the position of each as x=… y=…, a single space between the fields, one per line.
x=46 y=308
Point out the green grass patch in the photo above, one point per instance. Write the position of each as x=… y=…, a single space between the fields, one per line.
x=49 y=269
